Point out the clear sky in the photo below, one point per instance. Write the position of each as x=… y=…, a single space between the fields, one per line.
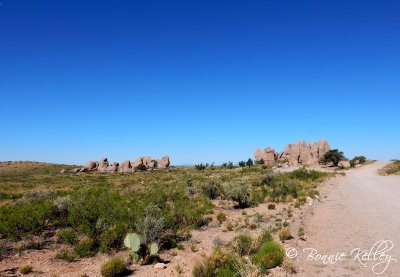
x=201 y=81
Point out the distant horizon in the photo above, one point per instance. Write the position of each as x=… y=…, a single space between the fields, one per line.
x=200 y=81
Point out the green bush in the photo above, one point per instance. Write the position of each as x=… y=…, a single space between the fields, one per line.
x=26 y=269
x=269 y=255
x=285 y=234
x=271 y=206
x=113 y=267
x=141 y=167
x=67 y=236
x=221 y=262
x=239 y=193
x=66 y=254
x=361 y=159
x=242 y=245
x=221 y=217
x=200 y=166
x=211 y=189
x=249 y=162
x=85 y=248
x=283 y=188
x=19 y=221
x=334 y=156
x=242 y=163
x=306 y=175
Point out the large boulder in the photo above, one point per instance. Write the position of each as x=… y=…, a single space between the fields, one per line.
x=125 y=167
x=344 y=164
x=139 y=161
x=149 y=163
x=163 y=162
x=293 y=154
x=305 y=156
x=91 y=165
x=267 y=155
x=103 y=165
x=112 y=168
x=323 y=148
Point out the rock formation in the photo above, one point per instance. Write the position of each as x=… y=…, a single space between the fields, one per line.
x=294 y=154
x=267 y=155
x=344 y=164
x=127 y=166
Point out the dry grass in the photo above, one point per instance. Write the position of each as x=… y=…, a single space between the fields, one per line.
x=392 y=168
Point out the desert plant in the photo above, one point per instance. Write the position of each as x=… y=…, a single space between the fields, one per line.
x=271 y=206
x=141 y=167
x=85 y=247
x=268 y=178
x=239 y=193
x=151 y=226
x=334 y=156
x=242 y=245
x=66 y=236
x=200 y=166
x=66 y=254
x=306 y=174
x=260 y=161
x=249 y=162
x=285 y=234
x=269 y=255
x=221 y=217
x=242 y=163
x=26 y=269
x=211 y=189
x=113 y=267
x=138 y=250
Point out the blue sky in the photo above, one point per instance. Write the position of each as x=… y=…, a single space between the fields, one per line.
x=201 y=81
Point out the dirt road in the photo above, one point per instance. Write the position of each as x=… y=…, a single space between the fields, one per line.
x=355 y=213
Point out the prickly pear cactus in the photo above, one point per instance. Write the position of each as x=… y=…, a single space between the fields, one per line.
x=133 y=241
x=153 y=249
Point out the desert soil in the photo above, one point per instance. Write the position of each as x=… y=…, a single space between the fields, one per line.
x=355 y=211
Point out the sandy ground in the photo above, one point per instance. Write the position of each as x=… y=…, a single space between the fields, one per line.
x=356 y=211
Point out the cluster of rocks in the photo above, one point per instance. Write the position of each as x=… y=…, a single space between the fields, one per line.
x=142 y=163
x=294 y=154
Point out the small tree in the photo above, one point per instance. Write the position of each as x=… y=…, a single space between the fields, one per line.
x=334 y=156
x=249 y=162
x=242 y=164
x=260 y=161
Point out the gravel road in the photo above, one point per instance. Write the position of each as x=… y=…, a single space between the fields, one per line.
x=356 y=212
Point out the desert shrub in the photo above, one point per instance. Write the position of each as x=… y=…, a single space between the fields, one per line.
x=268 y=178
x=151 y=226
x=263 y=236
x=283 y=188
x=221 y=262
x=67 y=236
x=271 y=206
x=285 y=234
x=200 y=166
x=249 y=162
x=19 y=221
x=239 y=193
x=260 y=161
x=270 y=255
x=26 y=269
x=334 y=156
x=61 y=205
x=32 y=242
x=242 y=245
x=3 y=249
x=141 y=167
x=85 y=247
x=300 y=232
x=66 y=254
x=211 y=189
x=98 y=209
x=113 y=267
x=242 y=163
x=111 y=239
x=221 y=217
x=361 y=159
x=306 y=175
